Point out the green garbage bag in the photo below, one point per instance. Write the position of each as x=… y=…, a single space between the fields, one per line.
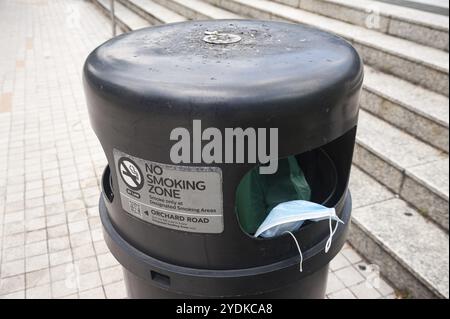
x=258 y=193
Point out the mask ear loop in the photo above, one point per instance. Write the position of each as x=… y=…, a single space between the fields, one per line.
x=332 y=231
x=298 y=247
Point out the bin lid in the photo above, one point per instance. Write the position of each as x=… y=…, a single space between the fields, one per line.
x=237 y=72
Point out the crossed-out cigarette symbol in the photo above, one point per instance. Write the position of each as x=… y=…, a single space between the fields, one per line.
x=130 y=173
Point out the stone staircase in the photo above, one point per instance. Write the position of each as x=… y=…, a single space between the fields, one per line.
x=400 y=178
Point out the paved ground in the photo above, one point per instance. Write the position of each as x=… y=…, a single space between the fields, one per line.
x=50 y=164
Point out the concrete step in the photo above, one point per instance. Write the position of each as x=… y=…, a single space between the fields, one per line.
x=415 y=171
x=434 y=6
x=153 y=12
x=197 y=10
x=402 y=58
x=426 y=28
x=126 y=19
x=420 y=112
x=410 y=251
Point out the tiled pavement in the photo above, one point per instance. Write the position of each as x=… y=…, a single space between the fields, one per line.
x=50 y=163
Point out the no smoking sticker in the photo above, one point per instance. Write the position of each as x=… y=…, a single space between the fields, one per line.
x=130 y=173
x=185 y=198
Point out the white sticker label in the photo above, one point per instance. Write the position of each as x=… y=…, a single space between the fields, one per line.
x=186 y=198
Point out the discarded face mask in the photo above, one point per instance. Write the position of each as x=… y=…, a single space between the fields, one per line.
x=289 y=216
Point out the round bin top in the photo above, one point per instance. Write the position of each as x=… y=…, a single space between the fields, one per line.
x=301 y=82
x=217 y=68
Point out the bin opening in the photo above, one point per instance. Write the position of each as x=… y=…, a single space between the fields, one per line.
x=160 y=278
x=310 y=176
x=108 y=189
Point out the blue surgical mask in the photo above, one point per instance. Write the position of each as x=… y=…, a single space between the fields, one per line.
x=288 y=217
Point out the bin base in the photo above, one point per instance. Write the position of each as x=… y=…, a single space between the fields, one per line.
x=310 y=287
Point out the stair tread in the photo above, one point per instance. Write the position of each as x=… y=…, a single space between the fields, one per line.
x=434 y=174
x=432 y=20
x=412 y=51
x=403 y=151
x=162 y=13
x=436 y=6
x=207 y=9
x=366 y=190
x=401 y=148
x=385 y=220
x=128 y=17
x=417 y=99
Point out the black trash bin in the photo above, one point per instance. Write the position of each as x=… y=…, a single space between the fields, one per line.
x=173 y=226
